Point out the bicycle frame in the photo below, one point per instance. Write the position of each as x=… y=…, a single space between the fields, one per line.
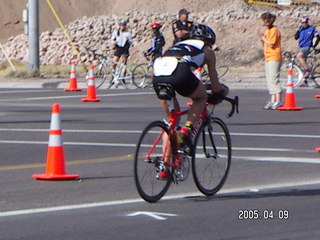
x=172 y=123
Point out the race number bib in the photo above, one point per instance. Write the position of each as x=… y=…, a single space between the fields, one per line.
x=164 y=66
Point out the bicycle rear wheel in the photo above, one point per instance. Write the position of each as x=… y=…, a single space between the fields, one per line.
x=153 y=146
x=212 y=158
x=103 y=74
x=142 y=75
x=297 y=75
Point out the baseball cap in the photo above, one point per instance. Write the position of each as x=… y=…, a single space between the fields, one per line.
x=304 y=19
x=183 y=11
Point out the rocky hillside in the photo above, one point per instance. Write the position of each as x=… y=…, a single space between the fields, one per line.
x=236 y=26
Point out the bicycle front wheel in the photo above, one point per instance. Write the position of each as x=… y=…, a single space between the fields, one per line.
x=315 y=74
x=153 y=154
x=297 y=76
x=212 y=158
x=142 y=75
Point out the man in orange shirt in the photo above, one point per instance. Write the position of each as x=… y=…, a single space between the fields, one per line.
x=271 y=42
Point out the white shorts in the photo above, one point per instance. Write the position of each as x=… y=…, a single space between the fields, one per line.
x=273 y=76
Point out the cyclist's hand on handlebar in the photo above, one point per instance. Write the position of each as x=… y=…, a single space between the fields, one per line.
x=225 y=90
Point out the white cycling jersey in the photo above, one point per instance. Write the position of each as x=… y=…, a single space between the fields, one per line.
x=121 y=38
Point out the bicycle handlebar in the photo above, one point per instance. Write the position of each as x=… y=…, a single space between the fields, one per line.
x=216 y=98
x=234 y=105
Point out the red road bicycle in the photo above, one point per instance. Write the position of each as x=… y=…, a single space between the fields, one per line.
x=158 y=149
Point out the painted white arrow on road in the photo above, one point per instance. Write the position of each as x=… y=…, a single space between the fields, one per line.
x=155 y=215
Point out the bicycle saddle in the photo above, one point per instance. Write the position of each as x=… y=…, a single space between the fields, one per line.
x=165 y=91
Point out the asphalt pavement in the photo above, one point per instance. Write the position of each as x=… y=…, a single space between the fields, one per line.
x=272 y=192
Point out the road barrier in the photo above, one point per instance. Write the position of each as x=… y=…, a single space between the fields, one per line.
x=55 y=167
x=288 y=3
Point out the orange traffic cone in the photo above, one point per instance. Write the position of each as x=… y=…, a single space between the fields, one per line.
x=91 y=90
x=73 y=78
x=317 y=96
x=290 y=102
x=55 y=168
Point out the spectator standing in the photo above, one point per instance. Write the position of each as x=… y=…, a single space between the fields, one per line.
x=182 y=28
x=271 y=42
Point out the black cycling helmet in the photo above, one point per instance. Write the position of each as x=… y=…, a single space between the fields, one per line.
x=204 y=33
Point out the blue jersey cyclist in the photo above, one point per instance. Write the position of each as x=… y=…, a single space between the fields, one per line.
x=158 y=41
x=175 y=68
x=305 y=36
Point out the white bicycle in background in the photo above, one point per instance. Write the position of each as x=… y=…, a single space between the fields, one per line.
x=297 y=73
x=114 y=74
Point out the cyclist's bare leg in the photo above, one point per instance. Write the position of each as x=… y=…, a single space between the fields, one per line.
x=199 y=98
x=165 y=108
x=124 y=61
x=302 y=60
x=166 y=147
x=115 y=60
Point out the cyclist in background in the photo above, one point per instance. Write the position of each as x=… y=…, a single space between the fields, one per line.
x=175 y=68
x=158 y=42
x=305 y=35
x=182 y=27
x=122 y=40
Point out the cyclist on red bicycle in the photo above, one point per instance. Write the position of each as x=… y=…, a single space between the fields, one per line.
x=175 y=67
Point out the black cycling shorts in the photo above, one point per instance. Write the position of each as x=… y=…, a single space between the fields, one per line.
x=182 y=79
x=121 y=51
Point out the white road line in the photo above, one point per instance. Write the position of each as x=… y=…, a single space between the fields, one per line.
x=96 y=144
x=71 y=143
x=76 y=96
x=248 y=189
x=25 y=91
x=278 y=159
x=139 y=131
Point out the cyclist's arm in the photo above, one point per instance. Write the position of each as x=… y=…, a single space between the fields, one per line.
x=113 y=39
x=129 y=38
x=297 y=35
x=317 y=40
x=210 y=60
x=158 y=44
